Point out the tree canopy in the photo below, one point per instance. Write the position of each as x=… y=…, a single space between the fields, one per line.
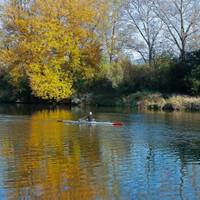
x=53 y=47
x=53 y=42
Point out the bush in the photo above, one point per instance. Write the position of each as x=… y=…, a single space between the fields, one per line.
x=193 y=81
x=152 y=101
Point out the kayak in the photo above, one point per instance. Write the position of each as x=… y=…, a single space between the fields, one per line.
x=92 y=122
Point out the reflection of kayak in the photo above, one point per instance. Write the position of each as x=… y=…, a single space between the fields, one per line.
x=92 y=122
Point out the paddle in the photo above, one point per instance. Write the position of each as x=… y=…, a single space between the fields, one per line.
x=82 y=118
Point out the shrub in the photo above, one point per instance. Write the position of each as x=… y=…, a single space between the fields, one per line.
x=153 y=101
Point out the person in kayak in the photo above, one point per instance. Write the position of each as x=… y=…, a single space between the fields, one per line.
x=89 y=117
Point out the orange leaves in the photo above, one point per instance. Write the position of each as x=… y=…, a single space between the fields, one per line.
x=53 y=42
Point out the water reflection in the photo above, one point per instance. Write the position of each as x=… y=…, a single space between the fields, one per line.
x=153 y=155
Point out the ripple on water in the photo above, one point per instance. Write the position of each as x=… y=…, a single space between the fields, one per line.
x=153 y=155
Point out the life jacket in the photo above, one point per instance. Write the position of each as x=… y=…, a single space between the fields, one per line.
x=89 y=117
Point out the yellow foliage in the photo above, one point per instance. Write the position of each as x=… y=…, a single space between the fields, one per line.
x=110 y=29
x=53 y=42
x=114 y=73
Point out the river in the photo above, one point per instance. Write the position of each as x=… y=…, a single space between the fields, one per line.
x=153 y=155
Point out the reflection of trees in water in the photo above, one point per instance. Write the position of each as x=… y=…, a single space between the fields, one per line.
x=172 y=169
x=51 y=159
x=29 y=109
x=179 y=131
x=174 y=151
x=45 y=159
x=170 y=147
x=24 y=109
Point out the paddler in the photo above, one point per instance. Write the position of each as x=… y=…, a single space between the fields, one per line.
x=89 y=117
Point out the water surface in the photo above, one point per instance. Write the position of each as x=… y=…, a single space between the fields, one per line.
x=155 y=154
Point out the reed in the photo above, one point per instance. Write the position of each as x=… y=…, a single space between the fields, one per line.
x=184 y=102
x=147 y=100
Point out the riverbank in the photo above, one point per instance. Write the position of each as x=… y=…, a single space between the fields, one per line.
x=160 y=101
x=141 y=101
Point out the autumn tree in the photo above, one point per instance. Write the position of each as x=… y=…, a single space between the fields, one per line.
x=112 y=29
x=52 y=42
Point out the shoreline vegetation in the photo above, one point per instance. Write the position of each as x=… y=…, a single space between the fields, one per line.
x=139 y=100
x=144 y=100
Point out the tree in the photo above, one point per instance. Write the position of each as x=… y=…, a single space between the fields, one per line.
x=52 y=42
x=148 y=25
x=195 y=80
x=114 y=73
x=113 y=29
x=181 y=19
